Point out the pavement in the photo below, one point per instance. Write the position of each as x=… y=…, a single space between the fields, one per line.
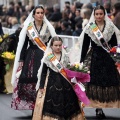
x=7 y=113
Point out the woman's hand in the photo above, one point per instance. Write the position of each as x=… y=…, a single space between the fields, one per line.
x=40 y=93
x=41 y=90
x=20 y=64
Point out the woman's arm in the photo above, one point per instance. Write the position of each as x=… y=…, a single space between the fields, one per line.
x=23 y=51
x=113 y=41
x=85 y=47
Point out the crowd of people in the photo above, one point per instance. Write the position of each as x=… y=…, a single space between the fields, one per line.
x=68 y=21
x=37 y=29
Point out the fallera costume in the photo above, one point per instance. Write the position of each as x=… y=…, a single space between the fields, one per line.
x=103 y=72
x=104 y=87
x=24 y=93
x=60 y=101
x=32 y=59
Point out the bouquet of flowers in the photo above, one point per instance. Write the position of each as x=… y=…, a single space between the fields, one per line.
x=115 y=54
x=66 y=48
x=8 y=58
x=77 y=73
x=3 y=37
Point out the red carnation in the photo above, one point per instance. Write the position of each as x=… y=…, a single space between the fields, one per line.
x=113 y=50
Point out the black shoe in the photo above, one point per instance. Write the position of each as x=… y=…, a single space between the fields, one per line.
x=100 y=113
x=32 y=112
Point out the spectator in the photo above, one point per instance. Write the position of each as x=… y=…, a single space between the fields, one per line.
x=78 y=4
x=11 y=9
x=78 y=16
x=116 y=14
x=88 y=6
x=48 y=12
x=4 y=10
x=56 y=15
x=107 y=7
x=14 y=23
x=78 y=29
x=85 y=14
x=58 y=27
x=65 y=29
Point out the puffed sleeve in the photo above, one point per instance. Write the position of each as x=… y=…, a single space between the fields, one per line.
x=23 y=51
x=85 y=47
x=43 y=76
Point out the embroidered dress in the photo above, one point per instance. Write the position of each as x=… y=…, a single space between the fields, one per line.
x=104 y=86
x=24 y=93
x=60 y=100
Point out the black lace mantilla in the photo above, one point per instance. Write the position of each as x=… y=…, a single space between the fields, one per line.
x=60 y=100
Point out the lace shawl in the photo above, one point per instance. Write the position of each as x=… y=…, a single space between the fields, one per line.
x=44 y=33
x=64 y=61
x=107 y=33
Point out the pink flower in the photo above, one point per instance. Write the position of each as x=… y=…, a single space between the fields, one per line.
x=80 y=76
x=65 y=47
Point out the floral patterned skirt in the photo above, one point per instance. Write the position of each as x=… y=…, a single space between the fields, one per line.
x=19 y=104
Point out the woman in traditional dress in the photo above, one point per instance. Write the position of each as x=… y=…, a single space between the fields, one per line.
x=33 y=39
x=104 y=87
x=60 y=101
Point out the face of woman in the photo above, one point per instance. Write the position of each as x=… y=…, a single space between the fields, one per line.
x=39 y=14
x=99 y=15
x=57 y=46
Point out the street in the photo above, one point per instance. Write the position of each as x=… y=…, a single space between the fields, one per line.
x=7 y=113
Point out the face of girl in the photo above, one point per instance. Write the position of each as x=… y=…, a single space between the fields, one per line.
x=39 y=14
x=99 y=15
x=57 y=46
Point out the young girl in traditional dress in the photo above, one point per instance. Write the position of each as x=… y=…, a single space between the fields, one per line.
x=57 y=99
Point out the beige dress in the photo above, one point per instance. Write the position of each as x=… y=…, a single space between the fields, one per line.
x=8 y=76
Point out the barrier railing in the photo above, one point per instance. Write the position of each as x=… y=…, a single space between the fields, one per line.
x=8 y=30
x=68 y=41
